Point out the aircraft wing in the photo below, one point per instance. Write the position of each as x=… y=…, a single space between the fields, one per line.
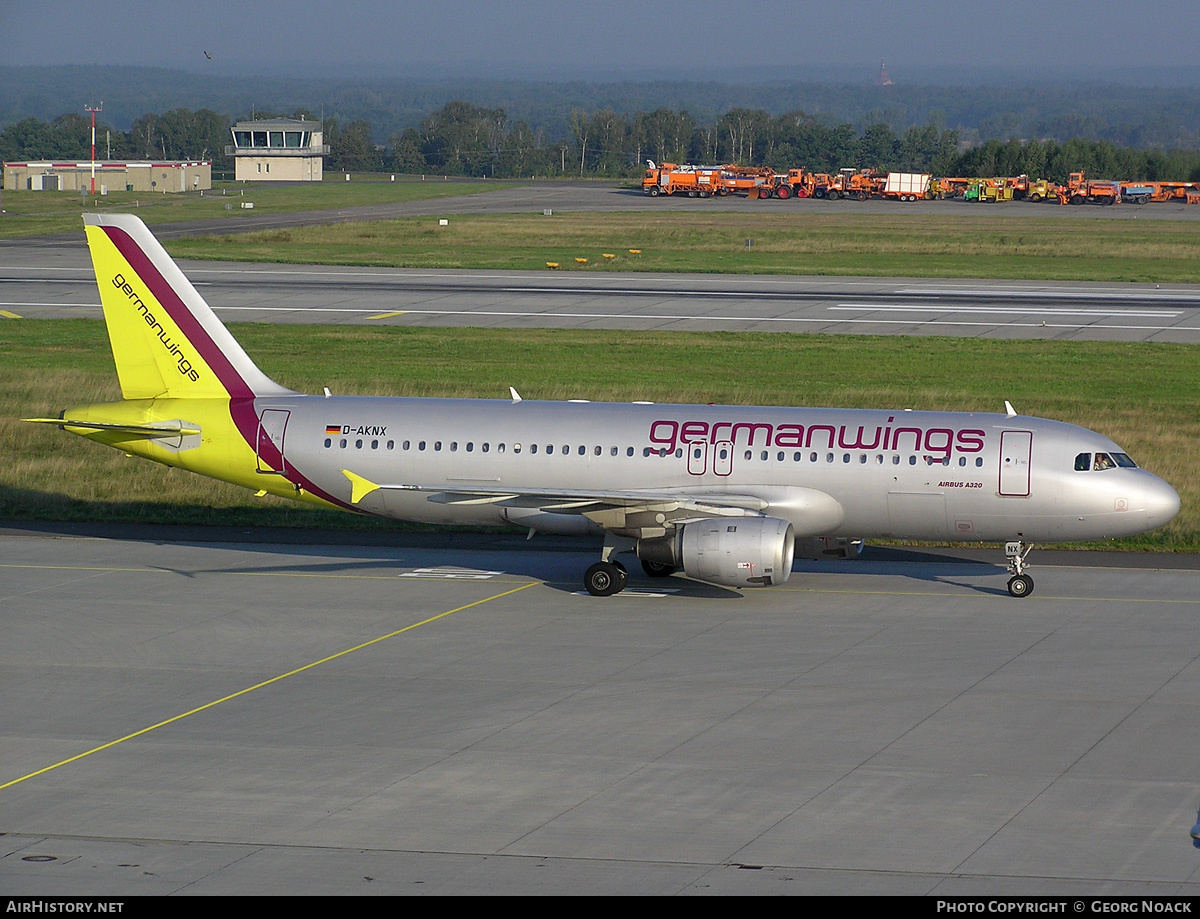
x=610 y=509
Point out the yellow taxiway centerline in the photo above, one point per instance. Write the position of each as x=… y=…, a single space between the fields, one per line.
x=274 y=679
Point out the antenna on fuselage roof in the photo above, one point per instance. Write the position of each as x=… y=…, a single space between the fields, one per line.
x=516 y=396
x=1012 y=412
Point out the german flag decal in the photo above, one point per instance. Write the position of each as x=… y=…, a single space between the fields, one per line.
x=333 y=429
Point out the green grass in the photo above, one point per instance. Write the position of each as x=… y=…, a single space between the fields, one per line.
x=1145 y=396
x=42 y=213
x=900 y=245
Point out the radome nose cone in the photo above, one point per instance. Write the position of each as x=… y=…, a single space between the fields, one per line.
x=1162 y=504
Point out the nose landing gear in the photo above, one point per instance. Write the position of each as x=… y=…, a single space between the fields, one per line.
x=1020 y=584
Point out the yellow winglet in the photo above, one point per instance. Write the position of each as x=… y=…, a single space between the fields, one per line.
x=359 y=487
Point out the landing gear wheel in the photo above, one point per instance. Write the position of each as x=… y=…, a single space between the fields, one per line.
x=657 y=570
x=1020 y=585
x=1016 y=551
x=604 y=579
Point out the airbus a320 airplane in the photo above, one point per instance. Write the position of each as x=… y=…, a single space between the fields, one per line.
x=725 y=494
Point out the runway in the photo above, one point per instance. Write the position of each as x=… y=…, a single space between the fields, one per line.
x=45 y=281
x=220 y=717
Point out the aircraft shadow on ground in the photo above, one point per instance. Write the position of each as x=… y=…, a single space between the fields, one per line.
x=559 y=564
x=938 y=566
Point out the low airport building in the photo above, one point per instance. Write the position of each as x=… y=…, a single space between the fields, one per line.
x=278 y=150
x=164 y=177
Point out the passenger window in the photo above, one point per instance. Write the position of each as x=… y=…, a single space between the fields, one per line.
x=566 y=449
x=749 y=455
x=979 y=461
x=1083 y=462
x=328 y=442
x=470 y=446
x=358 y=445
x=437 y=445
x=629 y=451
x=374 y=445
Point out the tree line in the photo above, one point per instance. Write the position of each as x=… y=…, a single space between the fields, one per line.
x=470 y=140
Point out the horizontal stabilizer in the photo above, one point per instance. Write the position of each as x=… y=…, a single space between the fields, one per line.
x=158 y=429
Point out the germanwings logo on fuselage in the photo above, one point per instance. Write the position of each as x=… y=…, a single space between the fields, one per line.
x=182 y=363
x=940 y=441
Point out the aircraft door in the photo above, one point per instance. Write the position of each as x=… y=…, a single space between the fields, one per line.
x=1016 y=452
x=722 y=461
x=269 y=446
x=697 y=458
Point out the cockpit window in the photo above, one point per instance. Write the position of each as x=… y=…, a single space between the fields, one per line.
x=1085 y=461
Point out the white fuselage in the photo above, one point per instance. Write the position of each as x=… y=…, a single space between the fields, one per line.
x=829 y=472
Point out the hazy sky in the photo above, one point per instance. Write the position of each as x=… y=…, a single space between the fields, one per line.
x=609 y=39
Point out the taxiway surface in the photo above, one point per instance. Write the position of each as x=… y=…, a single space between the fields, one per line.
x=217 y=717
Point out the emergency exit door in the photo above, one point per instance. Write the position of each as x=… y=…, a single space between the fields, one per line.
x=272 y=426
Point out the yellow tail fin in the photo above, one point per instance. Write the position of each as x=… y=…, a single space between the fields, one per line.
x=166 y=341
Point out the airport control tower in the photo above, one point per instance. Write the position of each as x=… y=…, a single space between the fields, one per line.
x=278 y=150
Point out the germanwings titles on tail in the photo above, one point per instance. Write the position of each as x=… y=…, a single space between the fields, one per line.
x=726 y=494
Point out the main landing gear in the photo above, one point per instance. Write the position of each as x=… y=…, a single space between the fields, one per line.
x=608 y=576
x=1020 y=584
x=605 y=578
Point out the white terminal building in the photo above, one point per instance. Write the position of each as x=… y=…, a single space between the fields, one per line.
x=278 y=150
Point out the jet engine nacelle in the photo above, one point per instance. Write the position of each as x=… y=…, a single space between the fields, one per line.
x=739 y=552
x=823 y=547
